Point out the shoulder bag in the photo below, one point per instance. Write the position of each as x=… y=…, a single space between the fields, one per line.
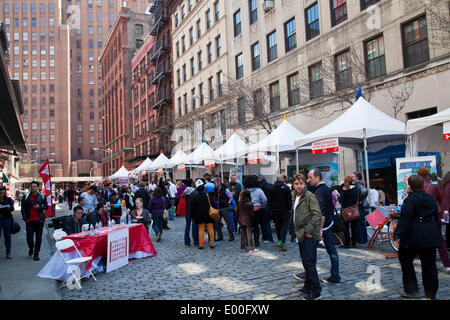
x=213 y=213
x=15 y=227
x=351 y=213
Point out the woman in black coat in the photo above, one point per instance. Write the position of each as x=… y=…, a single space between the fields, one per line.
x=418 y=234
x=200 y=214
x=348 y=198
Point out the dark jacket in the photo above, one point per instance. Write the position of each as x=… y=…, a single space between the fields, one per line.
x=156 y=206
x=26 y=206
x=70 y=227
x=200 y=208
x=363 y=192
x=348 y=197
x=191 y=193
x=280 y=198
x=434 y=191
x=236 y=188
x=323 y=195
x=146 y=218
x=70 y=195
x=265 y=187
x=221 y=196
x=95 y=217
x=127 y=201
x=5 y=213
x=245 y=214
x=144 y=195
x=417 y=225
x=116 y=212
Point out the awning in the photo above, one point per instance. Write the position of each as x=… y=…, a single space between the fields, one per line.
x=11 y=133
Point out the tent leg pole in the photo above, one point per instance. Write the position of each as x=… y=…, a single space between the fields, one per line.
x=221 y=170
x=366 y=161
x=296 y=159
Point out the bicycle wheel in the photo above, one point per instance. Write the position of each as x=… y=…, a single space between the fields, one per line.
x=391 y=229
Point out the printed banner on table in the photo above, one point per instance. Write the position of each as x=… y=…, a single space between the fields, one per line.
x=408 y=166
x=118 y=249
x=44 y=172
x=446 y=129
x=255 y=157
x=325 y=146
x=210 y=163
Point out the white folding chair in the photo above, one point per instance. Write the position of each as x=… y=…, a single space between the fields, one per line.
x=68 y=243
x=59 y=234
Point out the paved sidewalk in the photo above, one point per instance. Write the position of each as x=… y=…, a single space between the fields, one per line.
x=18 y=277
x=180 y=272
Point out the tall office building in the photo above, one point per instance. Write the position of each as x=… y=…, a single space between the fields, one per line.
x=39 y=59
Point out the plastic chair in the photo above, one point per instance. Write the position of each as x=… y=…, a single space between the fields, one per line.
x=59 y=234
x=66 y=244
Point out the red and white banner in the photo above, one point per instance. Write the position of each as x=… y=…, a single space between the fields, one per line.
x=255 y=157
x=181 y=167
x=44 y=172
x=118 y=249
x=210 y=163
x=446 y=128
x=325 y=146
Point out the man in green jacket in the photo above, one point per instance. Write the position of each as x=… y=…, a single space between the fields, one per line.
x=307 y=219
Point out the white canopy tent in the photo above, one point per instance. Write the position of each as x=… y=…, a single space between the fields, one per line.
x=203 y=153
x=361 y=123
x=233 y=148
x=179 y=158
x=426 y=134
x=122 y=173
x=281 y=139
x=144 y=166
x=161 y=162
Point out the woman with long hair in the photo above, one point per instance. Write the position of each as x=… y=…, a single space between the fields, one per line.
x=156 y=206
x=6 y=209
x=245 y=217
x=348 y=198
x=141 y=215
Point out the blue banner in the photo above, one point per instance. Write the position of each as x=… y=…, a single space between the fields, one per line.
x=384 y=158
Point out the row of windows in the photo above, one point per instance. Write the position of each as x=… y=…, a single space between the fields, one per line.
x=34 y=23
x=415 y=50
x=43 y=88
x=34 y=63
x=34 y=76
x=43 y=151
x=43 y=102
x=33 y=7
x=209 y=52
x=216 y=9
x=91 y=140
x=99 y=3
x=34 y=125
x=34 y=36
x=34 y=113
x=34 y=50
x=91 y=127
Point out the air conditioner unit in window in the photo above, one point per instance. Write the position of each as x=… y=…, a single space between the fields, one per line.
x=268 y=5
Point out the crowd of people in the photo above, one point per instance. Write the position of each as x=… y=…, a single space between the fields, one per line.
x=304 y=208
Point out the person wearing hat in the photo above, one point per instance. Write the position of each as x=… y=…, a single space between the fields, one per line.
x=200 y=213
x=189 y=194
x=90 y=199
x=223 y=197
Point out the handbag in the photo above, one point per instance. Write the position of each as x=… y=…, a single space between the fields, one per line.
x=166 y=215
x=351 y=213
x=15 y=227
x=213 y=213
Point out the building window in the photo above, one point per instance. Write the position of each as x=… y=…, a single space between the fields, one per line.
x=217 y=10
x=199 y=29
x=290 y=35
x=367 y=3
x=241 y=110
x=415 y=42
x=239 y=66
x=272 y=46
x=253 y=9
x=193 y=98
x=218 y=46
x=293 y=90
x=312 y=22
x=315 y=81
x=178 y=77
x=183 y=44
x=200 y=92
x=255 y=56
x=375 y=59
x=208 y=19
x=139 y=29
x=338 y=11
x=192 y=67
x=211 y=88
x=237 y=23
x=210 y=52
x=220 y=84
x=191 y=36
x=184 y=73
x=343 y=71
x=200 y=61
x=275 y=96
x=185 y=103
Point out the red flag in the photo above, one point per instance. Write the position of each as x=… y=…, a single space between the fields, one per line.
x=44 y=172
x=161 y=151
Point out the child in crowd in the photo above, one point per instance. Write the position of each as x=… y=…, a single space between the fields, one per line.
x=246 y=219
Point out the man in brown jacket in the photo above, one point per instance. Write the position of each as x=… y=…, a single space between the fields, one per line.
x=307 y=221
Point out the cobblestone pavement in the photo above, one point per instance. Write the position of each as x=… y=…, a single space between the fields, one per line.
x=180 y=272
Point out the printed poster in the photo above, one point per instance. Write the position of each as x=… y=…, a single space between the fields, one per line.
x=408 y=166
x=118 y=249
x=238 y=173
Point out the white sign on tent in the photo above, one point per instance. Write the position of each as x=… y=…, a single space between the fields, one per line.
x=446 y=129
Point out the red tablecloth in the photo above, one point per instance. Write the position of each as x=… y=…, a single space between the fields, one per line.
x=97 y=245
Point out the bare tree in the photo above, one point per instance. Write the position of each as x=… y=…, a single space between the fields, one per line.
x=336 y=79
x=438 y=12
x=399 y=95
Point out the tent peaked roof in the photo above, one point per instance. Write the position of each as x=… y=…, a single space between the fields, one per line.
x=283 y=138
x=121 y=173
x=350 y=126
x=202 y=153
x=161 y=162
x=414 y=125
x=144 y=166
x=179 y=158
x=234 y=147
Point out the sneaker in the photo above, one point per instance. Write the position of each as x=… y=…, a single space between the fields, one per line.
x=303 y=292
x=36 y=257
x=244 y=250
x=8 y=256
x=30 y=252
x=405 y=295
x=267 y=241
x=328 y=280
x=299 y=276
x=212 y=247
x=310 y=297
x=279 y=243
x=254 y=250
x=283 y=246
x=200 y=248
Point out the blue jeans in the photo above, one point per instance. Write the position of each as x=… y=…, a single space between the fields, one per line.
x=266 y=227
x=187 y=229
x=308 y=255
x=171 y=214
x=332 y=252
x=158 y=223
x=5 y=226
x=232 y=220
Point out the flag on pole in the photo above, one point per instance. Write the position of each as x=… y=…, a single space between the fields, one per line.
x=284 y=117
x=5 y=179
x=44 y=172
x=359 y=94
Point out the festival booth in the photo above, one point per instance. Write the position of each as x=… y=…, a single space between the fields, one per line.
x=180 y=160
x=429 y=134
x=121 y=177
x=143 y=167
x=233 y=149
x=161 y=163
x=362 y=127
x=203 y=154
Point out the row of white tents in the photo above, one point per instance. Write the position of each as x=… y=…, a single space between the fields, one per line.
x=361 y=127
